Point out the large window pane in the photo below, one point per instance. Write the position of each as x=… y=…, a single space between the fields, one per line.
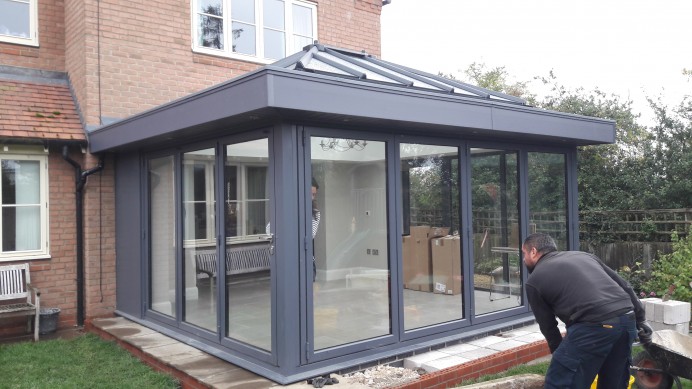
x=495 y=221
x=248 y=287
x=274 y=44
x=274 y=11
x=244 y=38
x=21 y=209
x=431 y=247
x=211 y=7
x=302 y=20
x=351 y=278
x=211 y=32
x=162 y=235
x=548 y=196
x=243 y=10
x=199 y=232
x=14 y=18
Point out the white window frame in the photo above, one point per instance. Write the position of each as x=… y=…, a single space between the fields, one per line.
x=259 y=23
x=33 y=26
x=44 y=251
x=209 y=202
x=244 y=199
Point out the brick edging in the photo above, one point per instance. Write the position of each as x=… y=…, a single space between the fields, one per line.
x=491 y=364
x=186 y=381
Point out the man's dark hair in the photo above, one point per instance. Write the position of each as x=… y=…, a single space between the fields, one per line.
x=314 y=183
x=543 y=243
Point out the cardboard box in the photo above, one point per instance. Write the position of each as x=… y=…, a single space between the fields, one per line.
x=418 y=263
x=446 y=265
x=408 y=259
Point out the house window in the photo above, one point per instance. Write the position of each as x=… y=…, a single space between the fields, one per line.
x=259 y=30
x=19 y=22
x=198 y=196
x=24 y=216
x=246 y=201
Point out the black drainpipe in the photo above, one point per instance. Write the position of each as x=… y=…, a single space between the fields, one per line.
x=80 y=181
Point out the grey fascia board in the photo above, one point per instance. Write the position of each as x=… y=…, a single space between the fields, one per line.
x=241 y=95
x=353 y=98
x=580 y=129
x=296 y=90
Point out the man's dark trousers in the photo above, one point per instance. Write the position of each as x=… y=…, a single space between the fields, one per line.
x=594 y=348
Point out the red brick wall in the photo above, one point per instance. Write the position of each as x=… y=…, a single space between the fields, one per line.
x=145 y=49
x=50 y=55
x=99 y=239
x=146 y=60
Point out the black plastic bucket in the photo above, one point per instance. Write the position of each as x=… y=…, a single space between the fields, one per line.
x=49 y=320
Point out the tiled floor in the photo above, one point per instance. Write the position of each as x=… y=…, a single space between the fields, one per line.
x=361 y=310
x=206 y=370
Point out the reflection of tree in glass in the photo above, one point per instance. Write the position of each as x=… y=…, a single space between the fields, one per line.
x=212 y=28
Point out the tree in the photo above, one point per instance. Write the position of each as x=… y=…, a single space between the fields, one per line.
x=619 y=164
x=496 y=79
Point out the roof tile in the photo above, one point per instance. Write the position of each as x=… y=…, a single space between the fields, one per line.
x=38 y=111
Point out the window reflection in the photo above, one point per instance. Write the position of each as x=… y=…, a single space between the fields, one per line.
x=162 y=235
x=351 y=283
x=199 y=233
x=548 y=195
x=248 y=288
x=495 y=221
x=211 y=31
x=431 y=246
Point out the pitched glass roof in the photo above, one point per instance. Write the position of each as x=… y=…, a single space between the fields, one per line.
x=327 y=60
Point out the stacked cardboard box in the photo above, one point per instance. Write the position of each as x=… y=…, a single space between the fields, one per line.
x=417 y=257
x=446 y=263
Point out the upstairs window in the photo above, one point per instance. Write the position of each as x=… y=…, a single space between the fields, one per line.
x=258 y=30
x=19 y=22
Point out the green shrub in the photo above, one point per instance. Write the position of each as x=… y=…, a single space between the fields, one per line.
x=674 y=269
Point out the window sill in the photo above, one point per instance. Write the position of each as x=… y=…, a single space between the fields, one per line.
x=17 y=258
x=233 y=57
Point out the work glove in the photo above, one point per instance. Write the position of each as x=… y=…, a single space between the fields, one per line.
x=644 y=332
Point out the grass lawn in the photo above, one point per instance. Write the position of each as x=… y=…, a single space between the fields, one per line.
x=86 y=361
x=542 y=368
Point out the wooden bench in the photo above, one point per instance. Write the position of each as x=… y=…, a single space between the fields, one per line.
x=15 y=286
x=241 y=258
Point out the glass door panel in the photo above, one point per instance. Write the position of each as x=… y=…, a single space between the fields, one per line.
x=162 y=235
x=548 y=196
x=431 y=246
x=199 y=244
x=495 y=220
x=350 y=280
x=248 y=278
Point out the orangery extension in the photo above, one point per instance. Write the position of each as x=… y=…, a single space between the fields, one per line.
x=333 y=210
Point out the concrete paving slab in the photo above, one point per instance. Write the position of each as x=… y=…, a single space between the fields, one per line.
x=459 y=348
x=476 y=354
x=145 y=342
x=205 y=366
x=174 y=351
x=416 y=361
x=488 y=340
x=506 y=345
x=443 y=363
x=530 y=338
x=238 y=378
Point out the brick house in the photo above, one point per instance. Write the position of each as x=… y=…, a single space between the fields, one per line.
x=293 y=207
x=96 y=62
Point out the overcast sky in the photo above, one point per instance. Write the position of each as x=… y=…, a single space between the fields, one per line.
x=632 y=48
